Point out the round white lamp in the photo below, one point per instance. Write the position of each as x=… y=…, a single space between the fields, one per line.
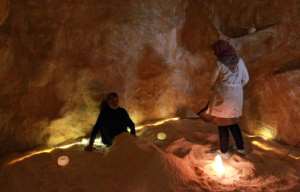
x=63 y=160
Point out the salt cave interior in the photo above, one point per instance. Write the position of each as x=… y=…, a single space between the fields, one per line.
x=59 y=58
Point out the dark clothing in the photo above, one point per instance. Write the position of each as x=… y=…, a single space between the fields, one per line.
x=110 y=123
x=224 y=137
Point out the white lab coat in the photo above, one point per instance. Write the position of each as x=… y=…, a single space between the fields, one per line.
x=230 y=90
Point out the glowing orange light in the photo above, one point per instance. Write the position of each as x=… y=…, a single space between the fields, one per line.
x=161 y=122
x=223 y=172
x=294 y=157
x=34 y=153
x=30 y=155
x=262 y=146
x=268 y=147
x=265 y=134
x=219 y=166
x=280 y=151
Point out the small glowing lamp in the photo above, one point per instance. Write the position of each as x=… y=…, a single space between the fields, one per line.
x=63 y=160
x=161 y=136
x=267 y=133
x=219 y=166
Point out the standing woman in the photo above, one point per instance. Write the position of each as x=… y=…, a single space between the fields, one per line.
x=226 y=106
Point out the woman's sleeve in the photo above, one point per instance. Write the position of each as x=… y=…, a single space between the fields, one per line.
x=130 y=123
x=96 y=129
x=245 y=74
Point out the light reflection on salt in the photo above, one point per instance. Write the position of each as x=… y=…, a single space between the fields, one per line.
x=219 y=166
x=222 y=172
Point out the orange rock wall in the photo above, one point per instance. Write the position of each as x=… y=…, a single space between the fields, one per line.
x=58 y=58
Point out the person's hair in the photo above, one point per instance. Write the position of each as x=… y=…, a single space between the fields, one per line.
x=226 y=53
x=104 y=102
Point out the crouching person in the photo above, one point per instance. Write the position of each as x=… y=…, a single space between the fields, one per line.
x=112 y=121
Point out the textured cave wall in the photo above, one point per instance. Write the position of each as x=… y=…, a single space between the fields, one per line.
x=58 y=58
x=62 y=56
x=271 y=51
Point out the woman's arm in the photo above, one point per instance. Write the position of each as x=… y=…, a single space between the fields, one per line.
x=213 y=82
x=95 y=131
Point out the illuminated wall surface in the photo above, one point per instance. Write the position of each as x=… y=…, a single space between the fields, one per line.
x=58 y=58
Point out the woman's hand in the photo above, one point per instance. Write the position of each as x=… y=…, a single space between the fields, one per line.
x=205 y=117
x=204 y=109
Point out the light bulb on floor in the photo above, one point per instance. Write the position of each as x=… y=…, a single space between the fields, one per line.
x=219 y=166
